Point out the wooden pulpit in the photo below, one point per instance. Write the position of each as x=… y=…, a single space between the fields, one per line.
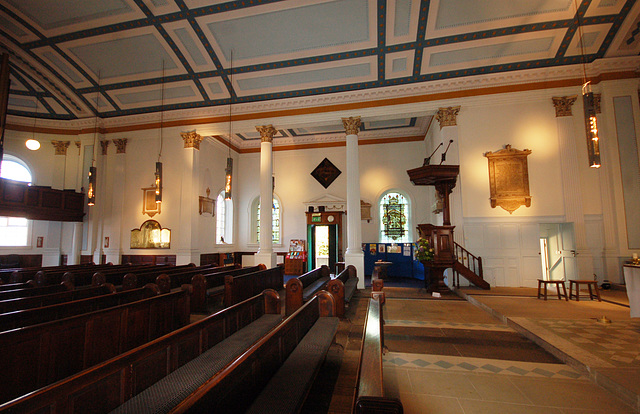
x=443 y=178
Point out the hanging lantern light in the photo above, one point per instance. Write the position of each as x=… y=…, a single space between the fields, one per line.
x=158 y=182
x=591 y=126
x=91 y=193
x=229 y=170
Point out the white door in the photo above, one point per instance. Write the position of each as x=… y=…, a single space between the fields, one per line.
x=561 y=250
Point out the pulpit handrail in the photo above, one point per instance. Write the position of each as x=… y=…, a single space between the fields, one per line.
x=468 y=259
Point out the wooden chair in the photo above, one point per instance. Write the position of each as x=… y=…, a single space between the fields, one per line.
x=558 y=283
x=591 y=284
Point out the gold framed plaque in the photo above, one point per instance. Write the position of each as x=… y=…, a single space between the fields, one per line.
x=509 y=178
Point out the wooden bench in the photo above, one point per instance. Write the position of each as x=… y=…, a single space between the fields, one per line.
x=35 y=291
x=193 y=354
x=239 y=288
x=591 y=284
x=41 y=354
x=343 y=287
x=302 y=288
x=27 y=317
x=37 y=301
x=209 y=287
x=542 y=288
x=275 y=374
x=370 y=397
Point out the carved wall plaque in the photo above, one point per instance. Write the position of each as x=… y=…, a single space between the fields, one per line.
x=509 y=178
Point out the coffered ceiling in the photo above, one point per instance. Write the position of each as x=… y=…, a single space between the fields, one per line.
x=73 y=59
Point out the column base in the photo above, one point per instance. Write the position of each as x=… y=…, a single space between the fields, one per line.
x=356 y=260
x=269 y=259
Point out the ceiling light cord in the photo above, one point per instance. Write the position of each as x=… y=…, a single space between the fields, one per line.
x=161 y=112
x=230 y=102
x=95 y=125
x=580 y=32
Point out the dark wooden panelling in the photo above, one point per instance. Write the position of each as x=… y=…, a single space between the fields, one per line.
x=18 y=199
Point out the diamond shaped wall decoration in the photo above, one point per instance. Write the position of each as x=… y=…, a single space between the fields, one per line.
x=326 y=173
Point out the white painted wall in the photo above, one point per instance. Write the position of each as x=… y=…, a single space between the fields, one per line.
x=509 y=244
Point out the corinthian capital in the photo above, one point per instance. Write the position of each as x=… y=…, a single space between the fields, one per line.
x=266 y=132
x=448 y=116
x=563 y=105
x=352 y=125
x=121 y=145
x=61 y=147
x=191 y=139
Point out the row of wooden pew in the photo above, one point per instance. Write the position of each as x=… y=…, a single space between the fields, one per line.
x=150 y=352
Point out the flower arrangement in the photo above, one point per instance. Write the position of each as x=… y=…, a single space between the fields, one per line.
x=424 y=251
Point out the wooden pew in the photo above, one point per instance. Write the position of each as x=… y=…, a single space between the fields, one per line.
x=10 y=305
x=148 y=274
x=35 y=291
x=239 y=288
x=275 y=374
x=39 y=355
x=207 y=286
x=112 y=383
x=370 y=397
x=343 y=287
x=27 y=317
x=302 y=288
x=23 y=275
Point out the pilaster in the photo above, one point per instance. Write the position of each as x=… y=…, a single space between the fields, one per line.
x=572 y=197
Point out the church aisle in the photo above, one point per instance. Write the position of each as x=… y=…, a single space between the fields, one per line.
x=448 y=356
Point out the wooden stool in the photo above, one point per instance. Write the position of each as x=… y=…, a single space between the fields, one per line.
x=591 y=284
x=558 y=283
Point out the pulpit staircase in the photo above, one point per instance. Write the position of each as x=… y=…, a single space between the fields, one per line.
x=468 y=266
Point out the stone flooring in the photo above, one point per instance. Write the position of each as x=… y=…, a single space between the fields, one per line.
x=448 y=355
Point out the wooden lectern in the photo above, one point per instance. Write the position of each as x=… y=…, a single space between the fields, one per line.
x=443 y=178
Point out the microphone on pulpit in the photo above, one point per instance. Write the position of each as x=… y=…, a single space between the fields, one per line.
x=428 y=159
x=444 y=154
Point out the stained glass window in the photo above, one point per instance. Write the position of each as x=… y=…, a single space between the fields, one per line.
x=394 y=218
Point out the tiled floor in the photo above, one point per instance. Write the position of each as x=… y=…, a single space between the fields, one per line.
x=447 y=355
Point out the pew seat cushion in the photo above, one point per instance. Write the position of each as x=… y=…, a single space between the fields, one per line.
x=287 y=389
x=350 y=288
x=215 y=291
x=314 y=287
x=165 y=394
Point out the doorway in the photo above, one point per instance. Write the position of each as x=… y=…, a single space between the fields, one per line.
x=323 y=245
x=558 y=251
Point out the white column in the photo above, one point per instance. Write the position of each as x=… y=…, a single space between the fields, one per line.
x=574 y=212
x=188 y=232
x=101 y=200
x=265 y=254
x=53 y=239
x=354 y=254
x=76 y=244
x=114 y=228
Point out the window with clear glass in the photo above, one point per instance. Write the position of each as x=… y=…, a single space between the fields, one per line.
x=275 y=221
x=224 y=220
x=394 y=218
x=14 y=231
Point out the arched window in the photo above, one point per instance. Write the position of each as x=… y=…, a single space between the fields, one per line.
x=275 y=220
x=224 y=220
x=395 y=217
x=14 y=231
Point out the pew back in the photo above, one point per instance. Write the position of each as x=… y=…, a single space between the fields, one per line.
x=57 y=349
x=239 y=288
x=370 y=397
x=108 y=385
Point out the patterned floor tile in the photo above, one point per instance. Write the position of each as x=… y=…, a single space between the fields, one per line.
x=479 y=365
